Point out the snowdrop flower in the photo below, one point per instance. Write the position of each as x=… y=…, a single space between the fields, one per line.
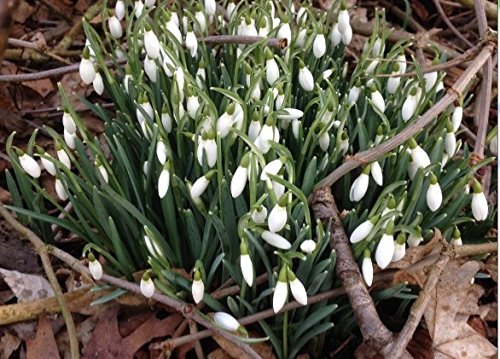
x=259 y=215
x=68 y=122
x=410 y=105
x=197 y=288
x=360 y=185
x=377 y=99
x=281 y=291
x=363 y=230
x=228 y=322
x=191 y=42
x=210 y=7
x=399 y=248
x=173 y=27
x=430 y=80
x=230 y=8
x=456 y=238
x=272 y=69
x=225 y=121
x=297 y=288
x=344 y=143
x=147 y=286
x=240 y=176
x=201 y=184
x=146 y=107
x=246 y=264
x=324 y=141
x=343 y=19
x=102 y=170
x=415 y=240
x=285 y=31
x=456 y=118
x=87 y=70
x=199 y=15
x=276 y=240
x=115 y=27
x=138 y=8
x=272 y=167
x=95 y=267
x=354 y=92
x=278 y=215
x=164 y=180
x=444 y=159
x=179 y=80
x=450 y=141
x=306 y=79
x=263 y=30
x=378 y=48
x=335 y=35
x=347 y=36
x=319 y=45
x=167 y=64
x=394 y=81
x=268 y=133
x=166 y=120
x=60 y=190
x=208 y=146
x=301 y=38
x=120 y=10
x=385 y=248
x=150 y=68
x=151 y=43
x=98 y=84
x=308 y=246
x=380 y=135
x=280 y=98
x=376 y=172
x=401 y=61
x=255 y=127
x=367 y=268
x=192 y=103
x=434 y=195
x=479 y=203
x=290 y=114
x=46 y=163
x=62 y=156
x=418 y=155
x=70 y=138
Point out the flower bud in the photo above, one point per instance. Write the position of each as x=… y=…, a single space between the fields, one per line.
x=259 y=215
x=147 y=286
x=246 y=264
x=319 y=46
x=479 y=203
x=456 y=118
x=95 y=267
x=87 y=71
x=434 y=195
x=376 y=172
x=29 y=165
x=278 y=216
x=399 y=248
x=360 y=185
x=385 y=248
x=367 y=268
x=197 y=288
x=60 y=190
x=364 y=229
x=281 y=291
x=297 y=288
x=343 y=20
x=456 y=238
x=306 y=79
x=227 y=322
x=115 y=27
x=335 y=35
x=151 y=44
x=164 y=180
x=240 y=177
x=120 y=10
x=276 y=240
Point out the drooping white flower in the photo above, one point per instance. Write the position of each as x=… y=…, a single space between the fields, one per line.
x=363 y=230
x=207 y=145
x=259 y=215
x=306 y=79
x=115 y=27
x=285 y=32
x=192 y=43
x=324 y=141
x=450 y=141
x=378 y=100
x=344 y=143
x=354 y=92
x=200 y=18
x=360 y=185
x=297 y=288
x=347 y=36
x=272 y=167
x=200 y=185
x=367 y=268
x=226 y=321
x=434 y=196
x=60 y=190
x=376 y=172
x=164 y=180
x=479 y=203
x=29 y=164
x=430 y=80
x=254 y=128
x=278 y=216
x=62 y=156
x=70 y=139
x=120 y=10
x=230 y=8
x=290 y=114
x=308 y=246
x=272 y=68
x=385 y=248
x=226 y=121
x=68 y=122
x=268 y=133
x=401 y=61
x=47 y=163
x=173 y=27
x=95 y=267
x=399 y=248
x=343 y=20
x=210 y=7
x=419 y=156
x=192 y=104
x=138 y=8
x=415 y=240
x=87 y=70
x=281 y=291
x=276 y=240
x=240 y=176
x=456 y=118
x=410 y=105
x=98 y=84
x=319 y=46
x=150 y=68
x=394 y=81
x=456 y=238
x=246 y=265
x=335 y=35
x=197 y=287
x=151 y=44
x=147 y=286
x=166 y=119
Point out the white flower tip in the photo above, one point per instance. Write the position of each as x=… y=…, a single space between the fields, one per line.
x=308 y=246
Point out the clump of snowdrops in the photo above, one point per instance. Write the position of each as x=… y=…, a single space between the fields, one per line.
x=211 y=151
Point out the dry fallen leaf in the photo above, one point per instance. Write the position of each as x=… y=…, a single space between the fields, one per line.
x=452 y=337
x=44 y=345
x=265 y=350
x=8 y=344
x=27 y=287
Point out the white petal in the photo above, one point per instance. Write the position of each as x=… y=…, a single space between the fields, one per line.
x=456 y=118
x=272 y=71
x=147 y=288
x=359 y=187
x=434 y=197
x=163 y=183
x=378 y=101
x=115 y=28
x=199 y=186
x=399 y=252
x=343 y=20
x=226 y=321
x=64 y=158
x=280 y=296
x=197 y=290
x=420 y=157
x=306 y=79
x=30 y=165
x=291 y=114
x=277 y=218
x=259 y=217
x=98 y=84
x=49 y=166
x=68 y=122
x=319 y=46
x=247 y=269
x=376 y=172
x=308 y=246
x=450 y=143
x=361 y=232
x=414 y=241
x=95 y=269
x=69 y=138
x=367 y=270
x=87 y=71
x=479 y=206
x=272 y=168
x=60 y=190
x=161 y=151
x=239 y=181
x=385 y=251
x=298 y=291
x=151 y=44
x=276 y=240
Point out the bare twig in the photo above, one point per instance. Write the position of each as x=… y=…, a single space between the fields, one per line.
x=452 y=27
x=56 y=11
x=490 y=7
x=37 y=48
x=246 y=40
x=193 y=329
x=42 y=251
x=378 y=151
x=412 y=23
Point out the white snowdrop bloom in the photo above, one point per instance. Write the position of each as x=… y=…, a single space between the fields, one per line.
x=60 y=190
x=363 y=230
x=419 y=156
x=297 y=288
x=378 y=100
x=29 y=164
x=450 y=142
x=308 y=246
x=201 y=20
x=367 y=268
x=167 y=64
x=412 y=169
x=48 y=164
x=301 y=15
x=430 y=80
x=197 y=288
x=278 y=188
x=209 y=146
x=306 y=79
x=225 y=121
x=192 y=43
x=444 y=159
x=70 y=139
x=353 y=96
x=151 y=44
x=410 y=105
x=164 y=181
x=399 y=248
x=150 y=68
x=277 y=217
x=138 y=8
x=240 y=177
x=276 y=240
x=372 y=66
x=272 y=167
x=434 y=195
x=98 y=84
x=259 y=215
x=86 y=69
x=456 y=238
x=104 y=173
x=166 y=120
x=456 y=118
x=344 y=143
x=393 y=83
x=376 y=172
x=230 y=8
x=335 y=35
x=210 y=7
x=378 y=48
x=115 y=27
x=95 y=267
x=290 y=114
x=281 y=291
x=385 y=248
x=479 y=203
x=255 y=92
x=319 y=46
x=147 y=286
x=279 y=101
x=200 y=76
x=173 y=28
x=179 y=79
x=192 y=104
x=401 y=60
x=360 y=185
x=343 y=20
x=347 y=36
x=63 y=157
x=68 y=122
x=285 y=32
x=414 y=241
x=272 y=70
x=226 y=321
x=301 y=38
x=327 y=74
x=324 y=141
x=268 y=133
x=120 y=10
x=199 y=186
x=246 y=265
x=254 y=129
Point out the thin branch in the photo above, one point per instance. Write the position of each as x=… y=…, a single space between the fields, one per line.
x=376 y=152
x=56 y=11
x=40 y=49
x=490 y=7
x=245 y=40
x=452 y=27
x=42 y=251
